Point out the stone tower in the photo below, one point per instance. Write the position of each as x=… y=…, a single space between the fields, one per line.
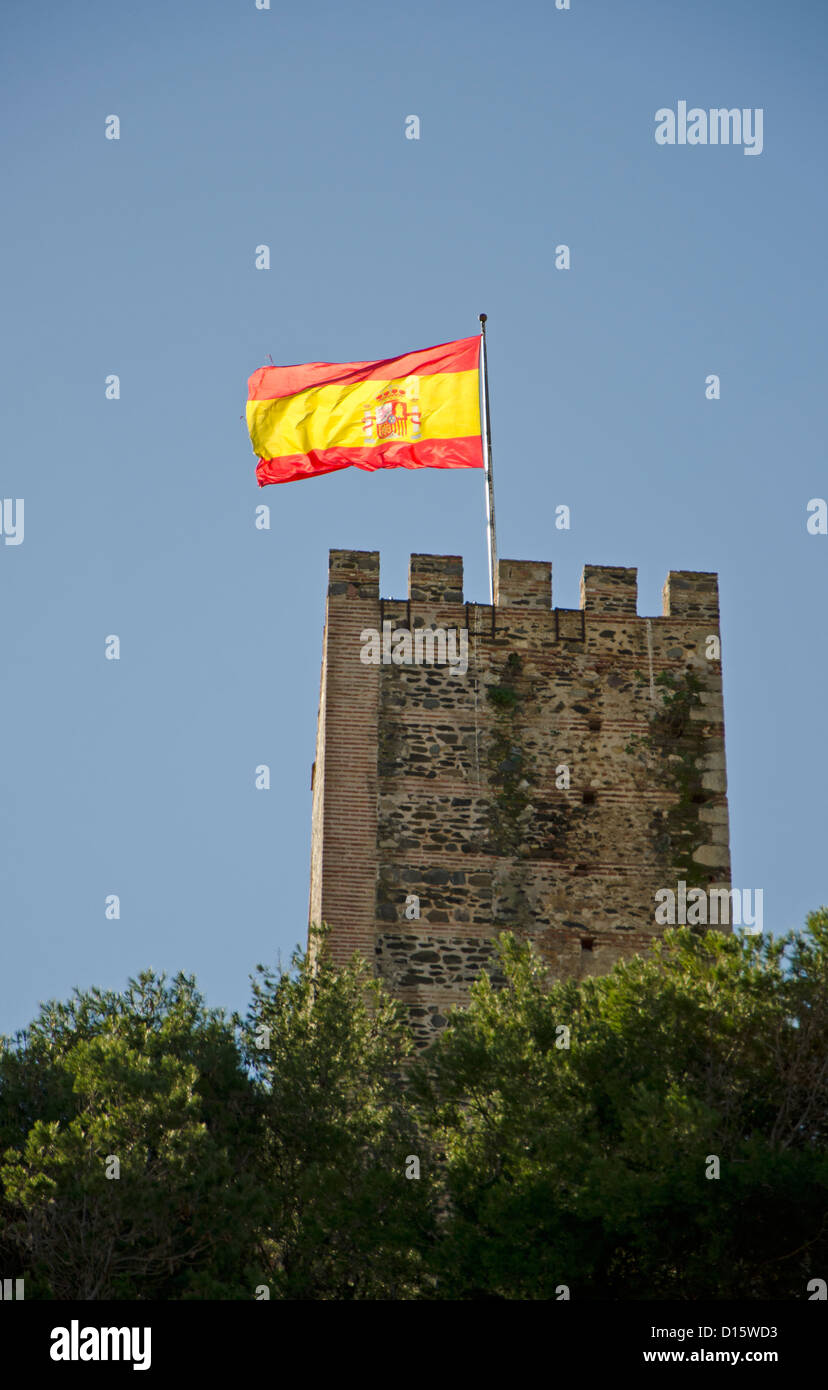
x=573 y=769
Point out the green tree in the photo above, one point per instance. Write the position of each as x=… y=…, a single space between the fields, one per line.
x=586 y=1165
x=328 y=1049
x=154 y=1080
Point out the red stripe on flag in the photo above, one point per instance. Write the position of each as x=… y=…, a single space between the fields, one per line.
x=428 y=453
x=271 y=383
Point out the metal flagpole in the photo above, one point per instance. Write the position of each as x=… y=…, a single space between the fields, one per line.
x=490 y=508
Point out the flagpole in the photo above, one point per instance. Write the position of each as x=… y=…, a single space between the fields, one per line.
x=491 y=534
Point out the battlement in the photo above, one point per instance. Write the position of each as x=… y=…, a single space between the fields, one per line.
x=435 y=578
x=605 y=589
x=524 y=584
x=353 y=573
x=691 y=594
x=609 y=589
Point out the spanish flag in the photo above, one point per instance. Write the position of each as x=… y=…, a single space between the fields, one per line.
x=421 y=410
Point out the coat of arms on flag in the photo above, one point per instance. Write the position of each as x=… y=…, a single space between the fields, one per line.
x=395 y=414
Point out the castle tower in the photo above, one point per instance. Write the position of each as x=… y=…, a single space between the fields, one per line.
x=574 y=767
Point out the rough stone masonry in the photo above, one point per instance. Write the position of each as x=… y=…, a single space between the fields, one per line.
x=575 y=767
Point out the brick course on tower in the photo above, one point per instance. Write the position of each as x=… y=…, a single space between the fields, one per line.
x=452 y=788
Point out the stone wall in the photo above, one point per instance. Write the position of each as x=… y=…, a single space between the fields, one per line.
x=450 y=787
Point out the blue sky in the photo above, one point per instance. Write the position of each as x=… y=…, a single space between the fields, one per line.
x=286 y=127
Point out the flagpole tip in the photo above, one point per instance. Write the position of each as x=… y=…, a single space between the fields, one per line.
x=482 y=318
